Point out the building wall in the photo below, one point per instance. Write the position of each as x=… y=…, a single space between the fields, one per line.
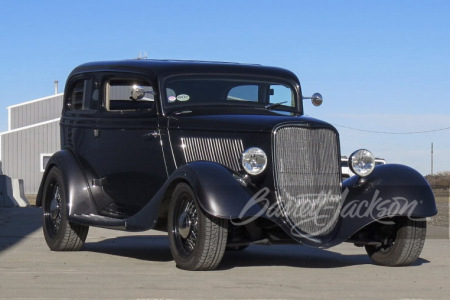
x=33 y=130
x=34 y=112
x=22 y=149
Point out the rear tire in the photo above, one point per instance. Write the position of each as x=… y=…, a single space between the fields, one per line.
x=197 y=240
x=60 y=234
x=404 y=244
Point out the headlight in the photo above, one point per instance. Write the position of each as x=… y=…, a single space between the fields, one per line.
x=254 y=160
x=362 y=162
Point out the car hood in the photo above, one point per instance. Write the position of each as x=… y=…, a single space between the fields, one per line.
x=239 y=122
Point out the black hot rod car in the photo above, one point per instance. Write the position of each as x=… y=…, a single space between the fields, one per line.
x=221 y=156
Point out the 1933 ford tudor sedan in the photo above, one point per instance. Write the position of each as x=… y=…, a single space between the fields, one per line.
x=221 y=156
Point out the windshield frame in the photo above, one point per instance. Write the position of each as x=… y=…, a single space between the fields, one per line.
x=167 y=108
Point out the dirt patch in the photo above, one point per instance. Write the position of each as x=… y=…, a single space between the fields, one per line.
x=31 y=199
x=442 y=203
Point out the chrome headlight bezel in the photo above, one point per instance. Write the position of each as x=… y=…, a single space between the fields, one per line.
x=254 y=160
x=362 y=162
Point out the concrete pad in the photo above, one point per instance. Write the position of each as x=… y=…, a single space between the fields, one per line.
x=121 y=265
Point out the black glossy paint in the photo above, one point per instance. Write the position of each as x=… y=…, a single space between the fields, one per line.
x=391 y=188
x=78 y=195
x=121 y=166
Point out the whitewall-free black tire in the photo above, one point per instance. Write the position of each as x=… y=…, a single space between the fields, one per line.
x=197 y=240
x=404 y=244
x=60 y=234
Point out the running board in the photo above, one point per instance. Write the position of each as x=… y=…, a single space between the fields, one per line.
x=99 y=221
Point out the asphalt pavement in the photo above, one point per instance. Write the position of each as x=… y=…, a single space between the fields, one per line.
x=120 y=265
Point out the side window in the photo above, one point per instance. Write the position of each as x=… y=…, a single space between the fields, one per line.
x=119 y=95
x=244 y=93
x=80 y=96
x=77 y=95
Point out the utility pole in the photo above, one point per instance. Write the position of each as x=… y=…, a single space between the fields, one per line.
x=432 y=152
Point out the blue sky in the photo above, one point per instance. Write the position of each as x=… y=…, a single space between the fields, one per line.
x=381 y=66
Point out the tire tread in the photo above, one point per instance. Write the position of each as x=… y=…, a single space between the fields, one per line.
x=71 y=236
x=408 y=245
x=212 y=240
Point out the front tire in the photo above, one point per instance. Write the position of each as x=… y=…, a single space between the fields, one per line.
x=404 y=243
x=59 y=233
x=197 y=240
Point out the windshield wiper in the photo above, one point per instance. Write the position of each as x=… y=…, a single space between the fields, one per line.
x=272 y=105
x=180 y=112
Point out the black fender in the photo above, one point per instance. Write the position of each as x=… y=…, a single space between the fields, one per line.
x=217 y=188
x=390 y=190
x=219 y=191
x=74 y=180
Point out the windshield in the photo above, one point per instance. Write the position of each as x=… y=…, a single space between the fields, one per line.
x=194 y=91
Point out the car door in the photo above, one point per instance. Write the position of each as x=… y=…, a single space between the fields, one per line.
x=125 y=158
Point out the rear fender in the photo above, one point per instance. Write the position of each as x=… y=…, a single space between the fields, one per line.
x=77 y=189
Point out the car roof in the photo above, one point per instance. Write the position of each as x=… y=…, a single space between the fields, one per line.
x=159 y=68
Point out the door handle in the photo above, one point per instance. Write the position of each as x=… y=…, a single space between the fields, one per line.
x=150 y=134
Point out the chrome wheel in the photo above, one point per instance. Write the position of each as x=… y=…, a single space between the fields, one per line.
x=60 y=234
x=197 y=240
x=186 y=228
x=52 y=210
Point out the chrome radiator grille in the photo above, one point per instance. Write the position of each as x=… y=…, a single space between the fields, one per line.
x=307 y=175
x=224 y=151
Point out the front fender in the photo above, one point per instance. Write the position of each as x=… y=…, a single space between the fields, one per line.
x=218 y=190
x=218 y=193
x=73 y=179
x=391 y=190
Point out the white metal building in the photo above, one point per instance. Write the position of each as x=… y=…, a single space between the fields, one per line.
x=33 y=136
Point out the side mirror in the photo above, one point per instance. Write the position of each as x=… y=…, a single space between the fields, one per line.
x=316 y=99
x=137 y=93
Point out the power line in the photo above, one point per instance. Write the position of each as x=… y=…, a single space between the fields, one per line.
x=387 y=132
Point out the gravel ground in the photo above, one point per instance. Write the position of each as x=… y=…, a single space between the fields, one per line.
x=442 y=203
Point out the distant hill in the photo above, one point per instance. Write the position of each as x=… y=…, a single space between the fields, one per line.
x=440 y=180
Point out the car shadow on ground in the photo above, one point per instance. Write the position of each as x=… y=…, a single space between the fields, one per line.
x=156 y=248
x=296 y=256
x=17 y=223
x=143 y=247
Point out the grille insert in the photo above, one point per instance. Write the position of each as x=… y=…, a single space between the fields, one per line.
x=307 y=175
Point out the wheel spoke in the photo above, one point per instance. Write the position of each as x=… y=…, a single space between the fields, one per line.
x=60 y=234
x=187 y=217
x=197 y=240
x=52 y=211
x=57 y=216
